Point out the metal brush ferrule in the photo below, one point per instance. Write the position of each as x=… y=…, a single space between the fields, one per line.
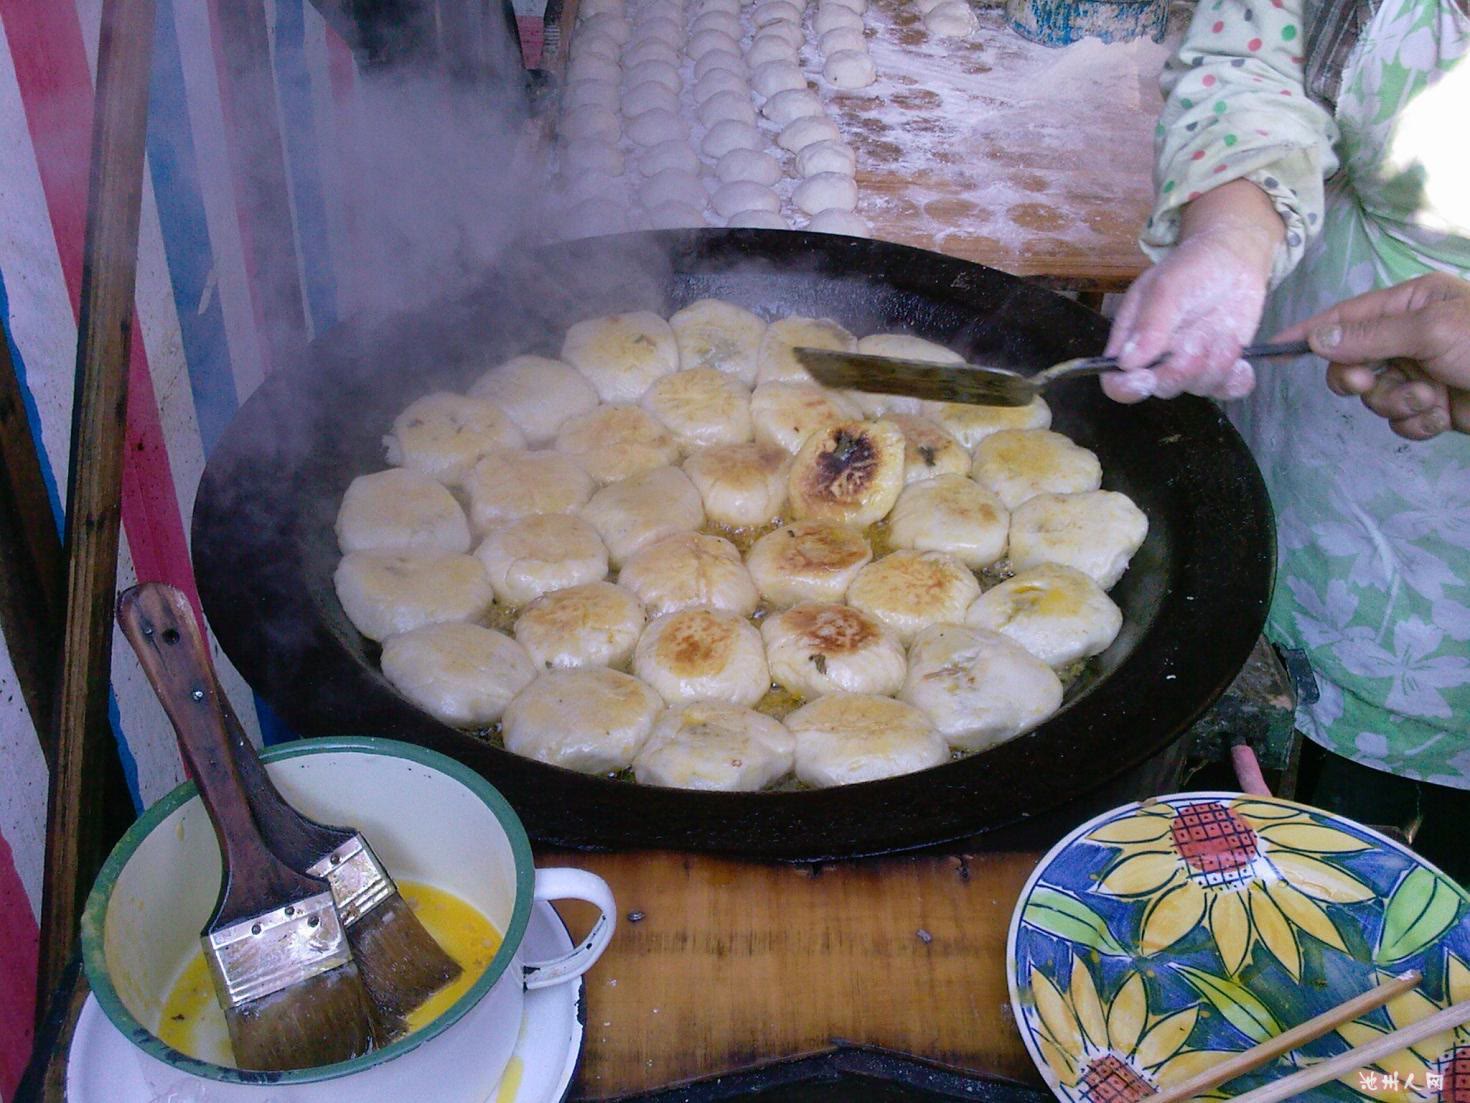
x=358 y=880
x=276 y=949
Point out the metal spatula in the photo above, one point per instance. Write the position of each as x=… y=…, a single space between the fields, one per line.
x=976 y=384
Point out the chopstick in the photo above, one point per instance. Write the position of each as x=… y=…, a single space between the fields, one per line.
x=1253 y=1058
x=1345 y=1063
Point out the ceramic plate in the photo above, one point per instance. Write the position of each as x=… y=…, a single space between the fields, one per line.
x=102 y=1065
x=1160 y=937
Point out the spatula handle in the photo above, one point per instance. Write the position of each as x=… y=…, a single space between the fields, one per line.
x=159 y=622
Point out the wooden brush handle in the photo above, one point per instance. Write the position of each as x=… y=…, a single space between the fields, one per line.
x=159 y=622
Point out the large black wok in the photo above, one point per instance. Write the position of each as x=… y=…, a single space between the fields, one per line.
x=1194 y=599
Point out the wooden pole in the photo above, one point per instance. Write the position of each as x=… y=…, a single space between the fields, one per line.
x=85 y=749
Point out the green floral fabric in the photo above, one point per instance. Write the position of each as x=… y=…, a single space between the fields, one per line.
x=1374 y=531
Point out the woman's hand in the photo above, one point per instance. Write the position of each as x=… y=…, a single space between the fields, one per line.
x=1201 y=304
x=1405 y=350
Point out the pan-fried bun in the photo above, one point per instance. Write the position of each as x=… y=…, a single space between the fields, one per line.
x=617 y=442
x=701 y=407
x=954 y=514
x=906 y=591
x=785 y=414
x=1097 y=532
x=444 y=435
x=978 y=687
x=687 y=569
x=514 y=483
x=851 y=472
x=929 y=449
x=631 y=514
x=972 y=424
x=742 y=485
x=537 y=393
x=596 y=624
x=719 y=335
x=403 y=511
x=592 y=720
x=1020 y=463
x=1057 y=613
x=703 y=655
x=814 y=649
x=807 y=561
x=385 y=593
x=546 y=551
x=622 y=354
x=777 y=362
x=715 y=746
x=462 y=674
x=850 y=737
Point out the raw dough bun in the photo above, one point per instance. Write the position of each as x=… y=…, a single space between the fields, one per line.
x=444 y=435
x=952 y=19
x=632 y=514
x=790 y=105
x=721 y=80
x=672 y=154
x=717 y=60
x=617 y=442
x=461 y=674
x=588 y=8
x=828 y=155
x=672 y=186
x=843 y=38
x=907 y=591
x=661 y=72
x=849 y=69
x=929 y=450
x=1020 y=463
x=589 y=93
x=753 y=165
x=859 y=6
x=729 y=7
x=701 y=407
x=789 y=33
x=777 y=362
x=768 y=50
x=597 y=624
x=711 y=745
x=400 y=510
x=775 y=11
x=385 y=593
x=515 y=483
x=622 y=354
x=613 y=26
x=851 y=472
x=1056 y=613
x=653 y=127
x=716 y=21
x=705 y=41
x=833 y=221
x=593 y=721
x=1096 y=532
x=727 y=105
x=826 y=191
x=814 y=649
x=972 y=424
x=741 y=485
x=592 y=157
x=745 y=195
x=660 y=29
x=592 y=217
x=775 y=76
x=978 y=687
x=543 y=552
x=757 y=220
x=690 y=569
x=954 y=514
x=785 y=414
x=807 y=130
x=537 y=393
x=594 y=67
x=599 y=44
x=651 y=49
x=672 y=216
x=650 y=95
x=831 y=16
x=703 y=655
x=720 y=335
x=924 y=7
x=721 y=138
x=844 y=738
x=807 y=561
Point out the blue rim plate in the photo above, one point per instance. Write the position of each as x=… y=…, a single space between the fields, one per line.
x=1160 y=937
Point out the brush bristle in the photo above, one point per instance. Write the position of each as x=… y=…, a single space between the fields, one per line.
x=318 y=1021
x=402 y=965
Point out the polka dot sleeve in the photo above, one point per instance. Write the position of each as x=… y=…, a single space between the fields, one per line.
x=1235 y=108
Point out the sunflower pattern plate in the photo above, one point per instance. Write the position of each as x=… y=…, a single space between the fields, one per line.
x=1161 y=937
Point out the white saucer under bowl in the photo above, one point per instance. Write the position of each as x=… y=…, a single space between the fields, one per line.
x=102 y=1065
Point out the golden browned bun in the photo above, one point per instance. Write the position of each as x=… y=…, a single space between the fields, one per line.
x=851 y=472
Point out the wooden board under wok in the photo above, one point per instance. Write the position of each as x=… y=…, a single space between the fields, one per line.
x=1194 y=600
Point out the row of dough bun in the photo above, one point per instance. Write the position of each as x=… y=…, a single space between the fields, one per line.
x=658 y=95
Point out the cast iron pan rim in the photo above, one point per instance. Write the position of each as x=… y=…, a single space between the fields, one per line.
x=1151 y=712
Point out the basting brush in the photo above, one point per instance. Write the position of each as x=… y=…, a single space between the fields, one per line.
x=400 y=962
x=282 y=968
